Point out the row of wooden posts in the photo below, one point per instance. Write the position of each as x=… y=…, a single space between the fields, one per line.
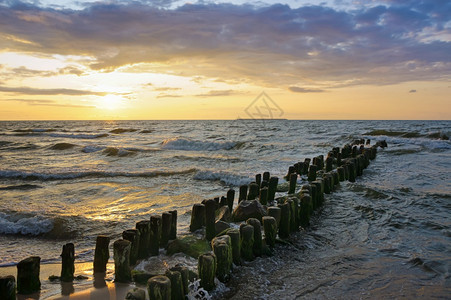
x=283 y=216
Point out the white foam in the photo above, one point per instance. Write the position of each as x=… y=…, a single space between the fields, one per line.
x=10 y=224
x=190 y=145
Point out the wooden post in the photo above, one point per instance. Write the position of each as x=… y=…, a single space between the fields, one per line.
x=28 y=275
x=329 y=163
x=156 y=226
x=243 y=193
x=206 y=268
x=132 y=235
x=166 y=223
x=292 y=215
x=306 y=166
x=67 y=264
x=263 y=196
x=210 y=208
x=101 y=254
x=230 y=199
x=184 y=272
x=236 y=245
x=257 y=248
x=293 y=179
x=144 y=237
x=312 y=173
x=306 y=208
x=273 y=182
x=159 y=288
x=284 y=226
x=258 y=179
x=247 y=241
x=341 y=173
x=253 y=191
x=177 y=291
x=197 y=217
x=121 y=254
x=7 y=287
x=270 y=229
x=222 y=247
x=173 y=234
x=275 y=212
x=266 y=176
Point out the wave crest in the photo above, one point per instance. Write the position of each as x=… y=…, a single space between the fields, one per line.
x=193 y=145
x=24 y=225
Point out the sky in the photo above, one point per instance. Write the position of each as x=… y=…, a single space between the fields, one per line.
x=164 y=59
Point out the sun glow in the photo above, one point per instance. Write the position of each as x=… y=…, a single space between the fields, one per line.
x=110 y=102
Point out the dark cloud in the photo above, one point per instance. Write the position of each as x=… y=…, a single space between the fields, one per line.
x=297 y=89
x=273 y=45
x=412 y=91
x=36 y=91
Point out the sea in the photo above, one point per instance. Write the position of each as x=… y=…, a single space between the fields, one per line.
x=385 y=236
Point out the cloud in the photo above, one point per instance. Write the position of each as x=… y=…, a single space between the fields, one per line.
x=37 y=91
x=169 y=96
x=297 y=89
x=219 y=93
x=268 y=45
x=162 y=89
x=412 y=91
x=42 y=102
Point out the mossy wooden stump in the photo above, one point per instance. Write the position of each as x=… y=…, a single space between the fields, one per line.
x=159 y=288
x=156 y=224
x=144 y=238
x=284 y=226
x=197 y=217
x=67 y=264
x=270 y=229
x=275 y=212
x=175 y=277
x=101 y=254
x=121 y=255
x=236 y=245
x=206 y=268
x=222 y=247
x=8 y=287
x=132 y=235
x=184 y=272
x=257 y=248
x=247 y=241
x=28 y=275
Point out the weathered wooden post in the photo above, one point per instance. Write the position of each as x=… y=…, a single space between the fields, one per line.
x=257 y=248
x=284 y=226
x=306 y=208
x=329 y=163
x=197 y=217
x=258 y=179
x=210 y=208
x=206 y=267
x=132 y=235
x=144 y=237
x=177 y=291
x=247 y=241
x=230 y=199
x=156 y=225
x=101 y=254
x=327 y=184
x=121 y=255
x=306 y=166
x=312 y=173
x=293 y=179
x=166 y=223
x=8 y=287
x=28 y=275
x=223 y=201
x=352 y=173
x=253 y=191
x=270 y=229
x=341 y=173
x=291 y=170
x=273 y=182
x=173 y=234
x=243 y=193
x=236 y=245
x=275 y=212
x=159 y=288
x=67 y=264
x=222 y=247
x=292 y=215
x=263 y=198
x=266 y=176
x=184 y=272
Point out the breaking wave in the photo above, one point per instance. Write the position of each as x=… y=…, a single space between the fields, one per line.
x=223 y=177
x=24 y=225
x=192 y=145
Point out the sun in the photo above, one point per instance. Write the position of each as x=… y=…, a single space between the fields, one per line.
x=110 y=102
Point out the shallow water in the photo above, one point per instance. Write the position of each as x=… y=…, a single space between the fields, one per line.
x=386 y=235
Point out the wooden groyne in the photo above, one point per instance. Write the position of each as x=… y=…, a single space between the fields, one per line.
x=228 y=235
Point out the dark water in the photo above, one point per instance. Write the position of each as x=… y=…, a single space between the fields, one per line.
x=385 y=236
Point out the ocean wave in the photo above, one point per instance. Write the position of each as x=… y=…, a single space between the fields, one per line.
x=24 y=225
x=79 y=136
x=122 y=130
x=192 y=145
x=407 y=134
x=223 y=177
x=432 y=144
x=113 y=151
x=91 y=149
x=8 y=174
x=62 y=146
x=6 y=145
x=22 y=187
